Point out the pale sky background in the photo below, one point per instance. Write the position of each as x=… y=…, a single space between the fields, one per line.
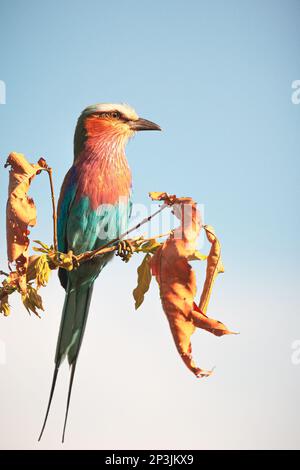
x=217 y=77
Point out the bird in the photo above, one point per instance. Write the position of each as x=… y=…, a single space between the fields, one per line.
x=94 y=208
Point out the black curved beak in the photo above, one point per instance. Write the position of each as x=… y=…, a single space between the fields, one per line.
x=143 y=125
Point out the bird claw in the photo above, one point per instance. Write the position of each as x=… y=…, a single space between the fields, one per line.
x=125 y=250
x=75 y=261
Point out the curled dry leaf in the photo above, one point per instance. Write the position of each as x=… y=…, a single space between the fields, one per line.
x=214 y=267
x=20 y=212
x=177 y=283
x=201 y=320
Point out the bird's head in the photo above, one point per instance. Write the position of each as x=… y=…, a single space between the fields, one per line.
x=109 y=122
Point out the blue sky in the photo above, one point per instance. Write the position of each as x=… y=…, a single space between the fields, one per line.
x=217 y=76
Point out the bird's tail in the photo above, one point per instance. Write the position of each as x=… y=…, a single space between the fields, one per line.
x=71 y=331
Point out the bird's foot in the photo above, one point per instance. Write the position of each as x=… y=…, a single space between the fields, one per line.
x=68 y=261
x=75 y=261
x=125 y=250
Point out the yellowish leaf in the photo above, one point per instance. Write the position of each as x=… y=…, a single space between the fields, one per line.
x=43 y=271
x=165 y=197
x=32 y=300
x=4 y=305
x=150 y=246
x=43 y=245
x=157 y=196
x=197 y=256
x=144 y=279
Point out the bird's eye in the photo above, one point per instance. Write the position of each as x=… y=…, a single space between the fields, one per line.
x=113 y=114
x=116 y=115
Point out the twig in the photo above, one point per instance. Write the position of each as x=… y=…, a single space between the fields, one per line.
x=157 y=236
x=54 y=216
x=3 y=273
x=144 y=221
x=99 y=251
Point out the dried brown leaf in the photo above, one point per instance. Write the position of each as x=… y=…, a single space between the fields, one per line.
x=20 y=212
x=177 y=282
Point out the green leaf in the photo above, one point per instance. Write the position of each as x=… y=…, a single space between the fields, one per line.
x=144 y=279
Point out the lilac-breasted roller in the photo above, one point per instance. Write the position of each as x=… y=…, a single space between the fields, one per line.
x=93 y=209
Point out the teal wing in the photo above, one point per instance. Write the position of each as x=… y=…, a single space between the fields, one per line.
x=80 y=228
